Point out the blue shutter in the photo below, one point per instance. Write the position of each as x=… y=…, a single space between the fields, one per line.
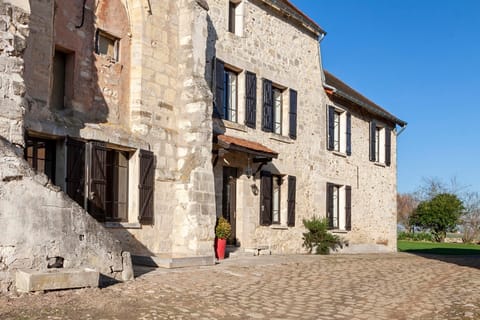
x=348 y=208
x=349 y=134
x=219 y=88
x=267 y=119
x=331 y=128
x=388 y=146
x=251 y=100
x=373 y=128
x=293 y=115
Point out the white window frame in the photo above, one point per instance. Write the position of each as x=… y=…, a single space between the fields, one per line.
x=230 y=107
x=380 y=144
x=277 y=97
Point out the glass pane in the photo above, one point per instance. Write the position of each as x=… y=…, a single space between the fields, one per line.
x=277 y=110
x=276 y=202
x=233 y=97
x=40 y=165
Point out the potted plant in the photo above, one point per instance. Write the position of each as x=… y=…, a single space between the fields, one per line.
x=223 y=230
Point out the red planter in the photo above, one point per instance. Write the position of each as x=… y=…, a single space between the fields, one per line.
x=220 y=245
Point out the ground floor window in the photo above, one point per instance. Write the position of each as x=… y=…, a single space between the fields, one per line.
x=339 y=206
x=96 y=175
x=40 y=155
x=271 y=209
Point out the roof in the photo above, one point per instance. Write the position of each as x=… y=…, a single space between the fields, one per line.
x=293 y=12
x=343 y=90
x=242 y=145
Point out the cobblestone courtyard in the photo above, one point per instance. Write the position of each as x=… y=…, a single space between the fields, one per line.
x=386 y=286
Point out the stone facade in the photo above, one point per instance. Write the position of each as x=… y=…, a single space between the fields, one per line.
x=121 y=98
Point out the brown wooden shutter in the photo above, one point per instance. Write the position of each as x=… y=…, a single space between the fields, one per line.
x=219 y=88
x=348 y=208
x=251 y=99
x=146 y=186
x=98 y=181
x=330 y=187
x=265 y=198
x=75 y=179
x=267 y=119
x=292 y=189
x=388 y=146
x=373 y=129
x=331 y=128
x=292 y=132
x=349 y=134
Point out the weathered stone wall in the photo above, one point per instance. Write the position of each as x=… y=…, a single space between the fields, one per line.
x=276 y=48
x=374 y=188
x=39 y=222
x=13 y=34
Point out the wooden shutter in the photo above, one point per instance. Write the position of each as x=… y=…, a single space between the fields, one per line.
x=146 y=186
x=331 y=128
x=349 y=134
x=330 y=187
x=292 y=189
x=388 y=146
x=348 y=208
x=219 y=88
x=265 y=198
x=267 y=119
x=292 y=132
x=251 y=99
x=98 y=181
x=373 y=128
x=75 y=179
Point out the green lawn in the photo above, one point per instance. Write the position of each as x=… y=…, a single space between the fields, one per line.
x=438 y=248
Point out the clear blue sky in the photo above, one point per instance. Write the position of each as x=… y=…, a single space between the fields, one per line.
x=419 y=59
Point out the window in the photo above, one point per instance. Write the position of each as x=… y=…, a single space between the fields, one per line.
x=106 y=45
x=40 y=155
x=235 y=17
x=380 y=144
x=277 y=110
x=277 y=181
x=339 y=206
x=273 y=105
x=230 y=105
x=270 y=194
x=271 y=211
x=62 y=86
x=339 y=130
x=97 y=178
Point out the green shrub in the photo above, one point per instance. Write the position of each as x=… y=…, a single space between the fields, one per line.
x=223 y=230
x=319 y=238
x=417 y=236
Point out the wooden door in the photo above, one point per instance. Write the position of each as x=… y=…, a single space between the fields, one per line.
x=229 y=200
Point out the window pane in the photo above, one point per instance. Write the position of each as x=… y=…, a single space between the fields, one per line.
x=276 y=200
x=336 y=206
x=336 y=139
x=277 y=111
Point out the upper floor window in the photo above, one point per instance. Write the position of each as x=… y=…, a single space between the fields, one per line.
x=235 y=17
x=230 y=101
x=62 y=85
x=339 y=130
x=380 y=143
x=274 y=119
x=277 y=110
x=339 y=203
x=107 y=45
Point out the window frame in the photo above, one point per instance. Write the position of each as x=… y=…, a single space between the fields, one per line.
x=230 y=112
x=276 y=199
x=339 y=207
x=49 y=155
x=277 y=109
x=116 y=45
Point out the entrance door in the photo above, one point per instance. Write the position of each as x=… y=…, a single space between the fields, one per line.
x=229 y=199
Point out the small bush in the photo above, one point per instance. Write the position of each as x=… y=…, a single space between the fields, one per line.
x=223 y=230
x=319 y=238
x=417 y=236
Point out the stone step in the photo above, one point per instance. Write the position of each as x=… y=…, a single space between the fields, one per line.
x=169 y=261
x=55 y=279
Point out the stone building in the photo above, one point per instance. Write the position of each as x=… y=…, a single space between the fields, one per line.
x=142 y=121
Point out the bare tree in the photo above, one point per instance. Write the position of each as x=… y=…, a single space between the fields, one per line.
x=470 y=220
x=406 y=205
